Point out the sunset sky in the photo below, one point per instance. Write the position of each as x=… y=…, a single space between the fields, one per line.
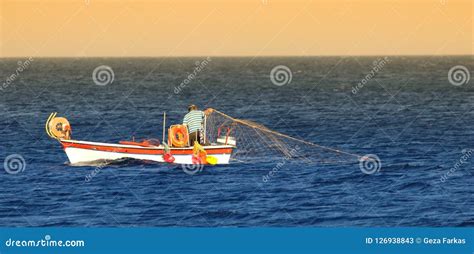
x=86 y=28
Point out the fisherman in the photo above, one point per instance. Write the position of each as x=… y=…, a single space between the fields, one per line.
x=194 y=120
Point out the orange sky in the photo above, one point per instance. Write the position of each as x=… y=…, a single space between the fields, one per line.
x=235 y=27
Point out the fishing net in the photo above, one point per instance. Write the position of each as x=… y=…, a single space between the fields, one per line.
x=256 y=142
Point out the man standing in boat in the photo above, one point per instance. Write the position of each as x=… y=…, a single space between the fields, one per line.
x=194 y=120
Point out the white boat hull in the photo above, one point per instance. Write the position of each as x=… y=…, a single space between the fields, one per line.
x=77 y=155
x=79 y=152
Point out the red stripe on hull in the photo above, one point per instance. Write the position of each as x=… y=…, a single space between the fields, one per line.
x=141 y=150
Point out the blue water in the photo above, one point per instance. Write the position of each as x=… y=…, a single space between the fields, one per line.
x=408 y=114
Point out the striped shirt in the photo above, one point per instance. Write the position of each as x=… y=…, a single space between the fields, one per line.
x=194 y=119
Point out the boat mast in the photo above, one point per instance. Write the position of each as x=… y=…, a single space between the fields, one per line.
x=164 y=127
x=205 y=127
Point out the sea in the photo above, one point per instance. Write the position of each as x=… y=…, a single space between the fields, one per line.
x=414 y=114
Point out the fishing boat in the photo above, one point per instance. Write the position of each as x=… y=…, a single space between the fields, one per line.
x=176 y=150
x=220 y=135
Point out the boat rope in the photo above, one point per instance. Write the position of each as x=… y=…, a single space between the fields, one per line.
x=262 y=128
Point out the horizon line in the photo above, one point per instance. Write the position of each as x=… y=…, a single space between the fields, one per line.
x=243 y=56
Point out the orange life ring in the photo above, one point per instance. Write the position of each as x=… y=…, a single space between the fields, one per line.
x=178 y=135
